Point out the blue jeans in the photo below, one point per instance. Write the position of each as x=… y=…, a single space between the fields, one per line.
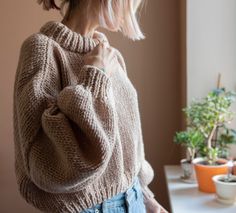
x=130 y=201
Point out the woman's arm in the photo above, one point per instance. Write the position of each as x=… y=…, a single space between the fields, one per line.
x=146 y=175
x=67 y=135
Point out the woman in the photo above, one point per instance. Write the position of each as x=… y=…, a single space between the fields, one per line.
x=77 y=130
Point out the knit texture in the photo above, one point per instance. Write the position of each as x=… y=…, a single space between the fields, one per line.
x=77 y=131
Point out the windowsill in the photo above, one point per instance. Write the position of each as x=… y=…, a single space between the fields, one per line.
x=186 y=198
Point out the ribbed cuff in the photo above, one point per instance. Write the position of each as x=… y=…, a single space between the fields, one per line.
x=94 y=79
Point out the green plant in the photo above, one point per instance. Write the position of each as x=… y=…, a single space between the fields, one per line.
x=209 y=116
x=225 y=138
x=191 y=139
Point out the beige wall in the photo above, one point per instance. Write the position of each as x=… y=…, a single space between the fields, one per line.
x=153 y=67
x=211 y=42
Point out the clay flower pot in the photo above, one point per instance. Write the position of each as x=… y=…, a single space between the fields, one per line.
x=204 y=173
x=225 y=190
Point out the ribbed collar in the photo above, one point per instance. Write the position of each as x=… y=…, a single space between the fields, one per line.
x=69 y=39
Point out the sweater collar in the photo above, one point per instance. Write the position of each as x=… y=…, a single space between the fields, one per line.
x=69 y=39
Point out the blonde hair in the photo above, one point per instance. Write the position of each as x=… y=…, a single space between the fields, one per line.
x=120 y=14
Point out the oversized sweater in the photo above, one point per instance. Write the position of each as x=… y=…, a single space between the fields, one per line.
x=77 y=130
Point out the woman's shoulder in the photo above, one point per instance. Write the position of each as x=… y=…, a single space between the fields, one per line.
x=35 y=54
x=34 y=39
x=121 y=59
x=36 y=42
x=38 y=50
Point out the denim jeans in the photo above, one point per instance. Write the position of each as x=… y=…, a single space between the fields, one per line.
x=130 y=201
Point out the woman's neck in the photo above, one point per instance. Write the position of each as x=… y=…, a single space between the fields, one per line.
x=79 y=22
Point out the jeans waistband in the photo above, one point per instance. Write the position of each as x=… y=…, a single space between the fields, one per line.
x=123 y=197
x=128 y=192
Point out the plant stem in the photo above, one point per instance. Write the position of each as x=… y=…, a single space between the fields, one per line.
x=211 y=136
x=216 y=135
x=191 y=152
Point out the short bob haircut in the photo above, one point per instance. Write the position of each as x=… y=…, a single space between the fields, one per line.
x=110 y=11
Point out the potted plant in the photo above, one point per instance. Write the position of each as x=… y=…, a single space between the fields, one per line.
x=226 y=186
x=208 y=136
x=210 y=116
x=191 y=139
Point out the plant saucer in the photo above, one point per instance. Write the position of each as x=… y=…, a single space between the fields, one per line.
x=225 y=201
x=187 y=180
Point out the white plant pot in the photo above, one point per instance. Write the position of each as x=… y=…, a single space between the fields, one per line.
x=188 y=172
x=225 y=191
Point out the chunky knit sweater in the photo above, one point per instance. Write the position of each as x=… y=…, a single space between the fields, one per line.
x=77 y=130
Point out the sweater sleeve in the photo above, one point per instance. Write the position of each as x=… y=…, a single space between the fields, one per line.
x=67 y=135
x=146 y=173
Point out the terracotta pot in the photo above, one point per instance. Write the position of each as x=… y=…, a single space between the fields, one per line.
x=204 y=174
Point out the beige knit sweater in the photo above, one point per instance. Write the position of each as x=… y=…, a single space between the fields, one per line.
x=77 y=131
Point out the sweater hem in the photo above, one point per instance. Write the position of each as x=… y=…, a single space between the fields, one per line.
x=86 y=198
